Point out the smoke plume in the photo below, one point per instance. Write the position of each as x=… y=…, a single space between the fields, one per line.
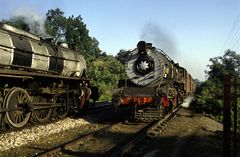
x=160 y=39
x=33 y=19
x=187 y=101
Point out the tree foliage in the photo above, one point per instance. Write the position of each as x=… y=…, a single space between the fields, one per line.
x=210 y=96
x=227 y=64
x=55 y=23
x=106 y=72
x=71 y=30
x=122 y=55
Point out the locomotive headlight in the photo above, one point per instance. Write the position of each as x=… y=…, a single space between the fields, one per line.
x=144 y=65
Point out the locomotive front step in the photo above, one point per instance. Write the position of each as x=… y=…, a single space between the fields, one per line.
x=148 y=114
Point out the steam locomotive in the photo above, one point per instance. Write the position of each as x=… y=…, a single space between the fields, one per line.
x=38 y=79
x=154 y=84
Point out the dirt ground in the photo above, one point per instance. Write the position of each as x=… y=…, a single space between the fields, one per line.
x=185 y=136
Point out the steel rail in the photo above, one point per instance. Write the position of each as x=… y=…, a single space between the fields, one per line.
x=53 y=151
x=124 y=146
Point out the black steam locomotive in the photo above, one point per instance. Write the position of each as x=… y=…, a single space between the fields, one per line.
x=38 y=79
x=154 y=84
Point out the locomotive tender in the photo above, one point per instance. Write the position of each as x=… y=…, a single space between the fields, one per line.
x=38 y=79
x=154 y=84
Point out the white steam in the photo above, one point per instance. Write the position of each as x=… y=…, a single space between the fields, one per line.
x=187 y=101
x=33 y=19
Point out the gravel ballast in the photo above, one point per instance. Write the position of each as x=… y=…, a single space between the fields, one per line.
x=19 y=138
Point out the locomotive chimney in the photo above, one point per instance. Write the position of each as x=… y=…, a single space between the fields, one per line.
x=142 y=47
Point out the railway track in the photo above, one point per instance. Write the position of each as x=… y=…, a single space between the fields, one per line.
x=152 y=127
x=118 y=149
x=64 y=147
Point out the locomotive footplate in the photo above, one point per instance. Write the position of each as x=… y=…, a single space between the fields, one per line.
x=148 y=113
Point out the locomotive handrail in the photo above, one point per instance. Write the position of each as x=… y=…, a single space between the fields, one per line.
x=14 y=76
x=162 y=52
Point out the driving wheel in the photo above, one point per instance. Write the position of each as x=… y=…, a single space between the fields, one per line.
x=41 y=115
x=17 y=102
x=61 y=111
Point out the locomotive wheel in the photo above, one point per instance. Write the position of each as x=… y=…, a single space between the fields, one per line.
x=62 y=111
x=41 y=115
x=4 y=119
x=17 y=99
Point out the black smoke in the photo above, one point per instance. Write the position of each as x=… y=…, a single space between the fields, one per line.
x=159 y=38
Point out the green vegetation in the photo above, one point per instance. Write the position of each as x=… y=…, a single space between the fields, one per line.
x=104 y=70
x=210 y=92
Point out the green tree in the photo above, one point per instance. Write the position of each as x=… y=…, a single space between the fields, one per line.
x=211 y=98
x=122 y=55
x=71 y=30
x=106 y=72
x=229 y=63
x=210 y=95
x=55 y=24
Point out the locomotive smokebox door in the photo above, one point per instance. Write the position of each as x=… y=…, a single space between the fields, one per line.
x=144 y=65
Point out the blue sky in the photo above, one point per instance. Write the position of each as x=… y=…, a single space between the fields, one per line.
x=189 y=31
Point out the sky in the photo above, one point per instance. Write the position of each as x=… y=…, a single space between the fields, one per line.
x=189 y=31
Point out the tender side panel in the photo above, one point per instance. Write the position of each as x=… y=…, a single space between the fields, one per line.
x=40 y=58
x=22 y=52
x=6 y=51
x=56 y=60
x=70 y=62
x=81 y=64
